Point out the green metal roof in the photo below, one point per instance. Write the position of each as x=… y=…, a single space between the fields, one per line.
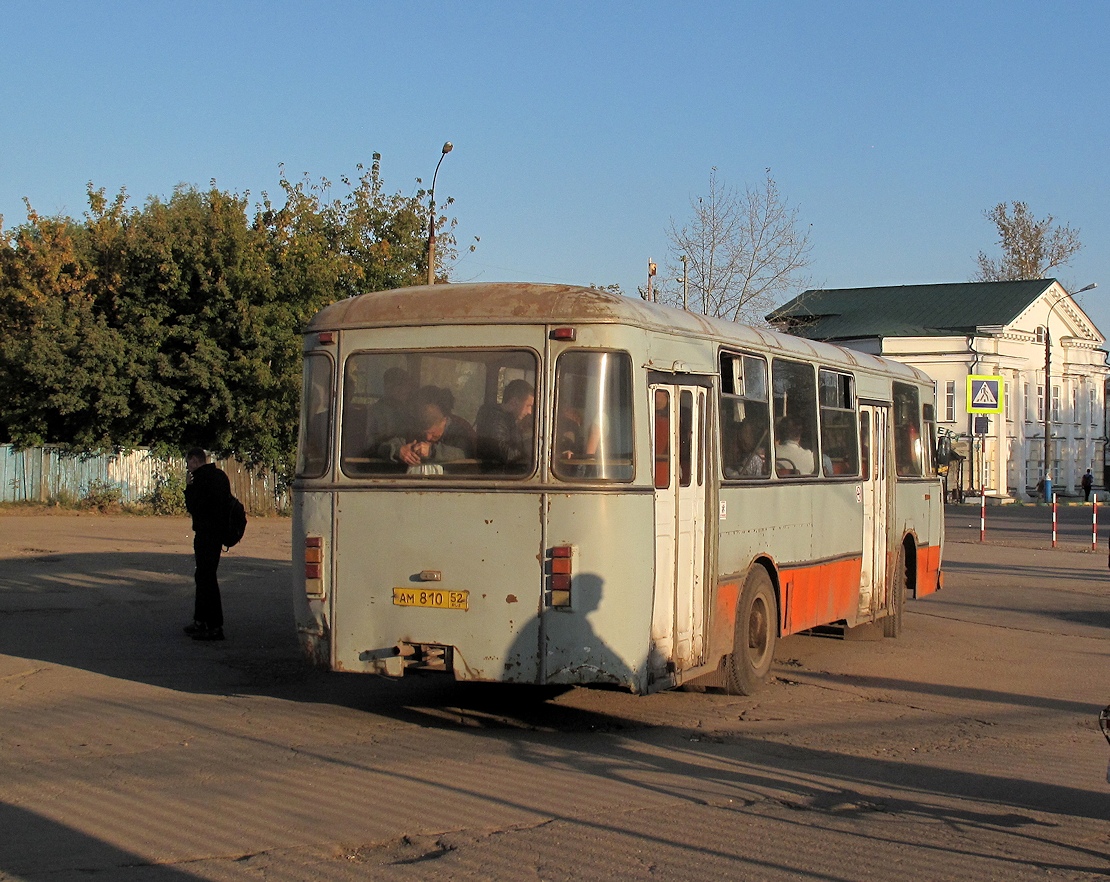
x=906 y=310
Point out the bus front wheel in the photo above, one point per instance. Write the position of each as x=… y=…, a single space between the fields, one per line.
x=753 y=649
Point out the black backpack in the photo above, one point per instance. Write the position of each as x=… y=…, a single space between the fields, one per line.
x=236 y=523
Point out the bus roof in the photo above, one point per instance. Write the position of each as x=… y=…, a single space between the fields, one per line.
x=529 y=303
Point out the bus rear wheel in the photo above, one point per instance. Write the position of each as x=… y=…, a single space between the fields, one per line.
x=753 y=650
x=892 y=624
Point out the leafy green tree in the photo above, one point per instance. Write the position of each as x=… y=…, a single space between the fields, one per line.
x=61 y=364
x=180 y=322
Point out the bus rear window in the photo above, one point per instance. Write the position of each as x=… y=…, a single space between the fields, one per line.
x=429 y=414
x=593 y=417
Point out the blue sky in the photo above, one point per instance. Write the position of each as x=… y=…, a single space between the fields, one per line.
x=581 y=129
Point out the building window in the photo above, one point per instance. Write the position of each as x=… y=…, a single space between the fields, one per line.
x=1075 y=415
x=1040 y=334
x=1028 y=403
x=950 y=401
x=1055 y=404
x=1092 y=397
x=1040 y=403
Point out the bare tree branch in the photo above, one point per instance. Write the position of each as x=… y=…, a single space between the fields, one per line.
x=744 y=252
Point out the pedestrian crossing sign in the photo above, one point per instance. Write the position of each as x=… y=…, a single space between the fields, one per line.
x=984 y=394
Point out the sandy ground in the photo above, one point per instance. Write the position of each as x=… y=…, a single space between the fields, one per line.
x=966 y=749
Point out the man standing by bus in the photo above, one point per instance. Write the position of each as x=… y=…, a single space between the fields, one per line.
x=208 y=500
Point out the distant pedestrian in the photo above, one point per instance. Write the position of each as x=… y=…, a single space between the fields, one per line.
x=207 y=498
x=1086 y=483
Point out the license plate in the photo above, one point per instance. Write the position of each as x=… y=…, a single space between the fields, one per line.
x=434 y=598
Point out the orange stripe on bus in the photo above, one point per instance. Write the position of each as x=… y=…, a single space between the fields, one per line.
x=819 y=594
x=928 y=570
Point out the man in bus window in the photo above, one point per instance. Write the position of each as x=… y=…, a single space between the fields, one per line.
x=505 y=429
x=748 y=455
x=424 y=445
x=791 y=458
x=458 y=432
x=389 y=416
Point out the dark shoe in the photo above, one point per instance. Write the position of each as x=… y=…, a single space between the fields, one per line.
x=209 y=634
x=195 y=628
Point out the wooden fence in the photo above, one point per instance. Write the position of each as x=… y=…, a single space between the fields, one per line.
x=48 y=474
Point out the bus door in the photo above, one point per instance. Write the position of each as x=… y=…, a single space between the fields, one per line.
x=874 y=423
x=680 y=471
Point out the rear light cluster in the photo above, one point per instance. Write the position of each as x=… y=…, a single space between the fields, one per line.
x=560 y=572
x=314 y=566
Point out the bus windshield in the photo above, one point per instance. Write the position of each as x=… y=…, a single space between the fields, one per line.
x=432 y=413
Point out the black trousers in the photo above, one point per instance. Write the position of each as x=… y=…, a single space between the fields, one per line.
x=208 y=610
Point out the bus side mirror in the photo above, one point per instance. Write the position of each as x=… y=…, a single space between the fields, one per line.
x=944 y=454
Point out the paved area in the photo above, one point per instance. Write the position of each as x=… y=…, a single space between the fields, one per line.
x=967 y=749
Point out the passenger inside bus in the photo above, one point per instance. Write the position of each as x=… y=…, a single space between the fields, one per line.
x=750 y=453
x=423 y=449
x=574 y=439
x=389 y=416
x=791 y=458
x=505 y=430
x=458 y=432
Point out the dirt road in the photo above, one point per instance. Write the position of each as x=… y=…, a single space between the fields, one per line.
x=967 y=749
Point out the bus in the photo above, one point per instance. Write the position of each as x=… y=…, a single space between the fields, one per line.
x=559 y=485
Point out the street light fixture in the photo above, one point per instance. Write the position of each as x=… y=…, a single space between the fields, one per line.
x=447 y=148
x=1048 y=390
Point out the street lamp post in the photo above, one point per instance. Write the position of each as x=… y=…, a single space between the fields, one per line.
x=684 y=280
x=1048 y=390
x=447 y=148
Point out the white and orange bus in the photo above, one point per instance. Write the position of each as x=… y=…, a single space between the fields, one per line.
x=558 y=485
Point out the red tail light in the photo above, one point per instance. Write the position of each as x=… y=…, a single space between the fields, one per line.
x=560 y=576
x=314 y=566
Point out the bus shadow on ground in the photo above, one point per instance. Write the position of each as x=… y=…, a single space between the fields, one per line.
x=34 y=847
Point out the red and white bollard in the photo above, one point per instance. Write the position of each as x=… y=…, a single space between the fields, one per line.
x=1053 y=520
x=982 y=516
x=1094 y=522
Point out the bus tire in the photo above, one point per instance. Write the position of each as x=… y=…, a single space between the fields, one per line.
x=753 y=649
x=892 y=624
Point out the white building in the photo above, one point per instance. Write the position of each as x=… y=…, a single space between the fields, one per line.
x=985 y=328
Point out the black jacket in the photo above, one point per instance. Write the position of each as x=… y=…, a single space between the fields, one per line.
x=500 y=440
x=207 y=498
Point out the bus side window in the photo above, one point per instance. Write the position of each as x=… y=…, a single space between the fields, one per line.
x=865 y=444
x=744 y=421
x=930 y=450
x=315 y=440
x=662 y=439
x=795 y=409
x=837 y=393
x=907 y=431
